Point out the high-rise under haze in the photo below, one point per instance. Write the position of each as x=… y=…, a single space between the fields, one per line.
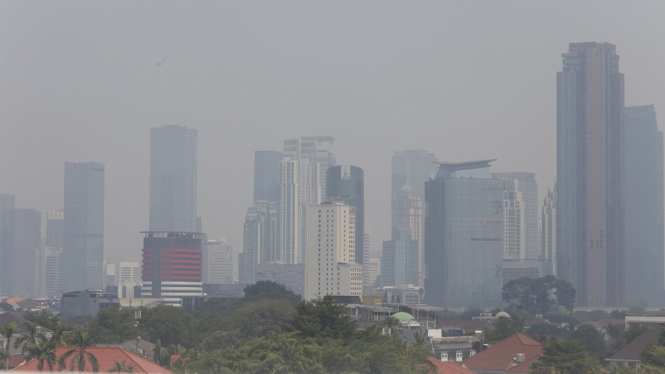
x=520 y=216
x=464 y=236
x=173 y=178
x=590 y=174
x=346 y=183
x=83 y=248
x=266 y=175
x=644 y=207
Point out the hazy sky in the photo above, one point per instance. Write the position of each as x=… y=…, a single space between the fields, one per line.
x=85 y=81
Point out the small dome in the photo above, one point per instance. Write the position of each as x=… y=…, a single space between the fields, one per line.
x=406 y=189
x=502 y=314
x=403 y=317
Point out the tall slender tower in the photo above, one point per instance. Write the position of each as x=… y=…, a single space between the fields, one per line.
x=83 y=249
x=173 y=175
x=346 y=183
x=644 y=206
x=590 y=174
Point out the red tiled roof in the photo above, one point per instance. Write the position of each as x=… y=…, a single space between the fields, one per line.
x=499 y=357
x=444 y=367
x=107 y=357
x=14 y=361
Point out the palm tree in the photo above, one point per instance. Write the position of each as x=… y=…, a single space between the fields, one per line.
x=393 y=325
x=122 y=367
x=44 y=352
x=8 y=331
x=30 y=339
x=79 y=354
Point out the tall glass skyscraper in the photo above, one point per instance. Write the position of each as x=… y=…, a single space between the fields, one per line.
x=83 y=249
x=346 y=183
x=464 y=236
x=266 y=175
x=644 y=207
x=590 y=174
x=173 y=176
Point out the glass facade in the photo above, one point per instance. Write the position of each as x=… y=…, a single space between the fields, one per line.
x=266 y=175
x=463 y=240
x=83 y=249
x=346 y=184
x=173 y=176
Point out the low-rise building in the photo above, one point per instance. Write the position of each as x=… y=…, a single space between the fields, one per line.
x=86 y=303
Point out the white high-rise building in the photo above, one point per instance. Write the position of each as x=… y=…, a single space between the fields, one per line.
x=520 y=216
x=221 y=262
x=330 y=268
x=128 y=272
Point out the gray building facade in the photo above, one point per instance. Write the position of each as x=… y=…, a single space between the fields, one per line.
x=83 y=248
x=346 y=183
x=173 y=178
x=591 y=174
x=400 y=260
x=266 y=175
x=463 y=236
x=644 y=207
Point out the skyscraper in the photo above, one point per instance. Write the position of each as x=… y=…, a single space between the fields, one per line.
x=345 y=183
x=590 y=174
x=520 y=199
x=411 y=168
x=83 y=249
x=289 y=213
x=266 y=175
x=400 y=261
x=644 y=207
x=331 y=267
x=19 y=241
x=407 y=215
x=173 y=178
x=259 y=239
x=464 y=236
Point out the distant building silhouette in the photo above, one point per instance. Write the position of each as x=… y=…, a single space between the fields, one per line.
x=400 y=260
x=173 y=178
x=83 y=249
x=548 y=231
x=644 y=207
x=266 y=175
x=591 y=174
x=463 y=236
x=346 y=183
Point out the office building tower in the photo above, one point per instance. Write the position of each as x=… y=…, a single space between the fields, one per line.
x=407 y=218
x=49 y=271
x=83 y=248
x=221 y=262
x=55 y=229
x=548 y=231
x=463 y=236
x=331 y=267
x=644 y=207
x=345 y=183
x=20 y=237
x=259 y=239
x=291 y=276
x=266 y=175
x=411 y=168
x=520 y=216
x=290 y=210
x=591 y=174
x=110 y=274
x=400 y=260
x=371 y=272
x=173 y=178
x=366 y=257
x=171 y=266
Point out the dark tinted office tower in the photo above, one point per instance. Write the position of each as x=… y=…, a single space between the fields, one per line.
x=83 y=249
x=463 y=236
x=173 y=171
x=172 y=266
x=346 y=183
x=590 y=174
x=266 y=175
x=19 y=238
x=259 y=239
x=644 y=207
x=400 y=261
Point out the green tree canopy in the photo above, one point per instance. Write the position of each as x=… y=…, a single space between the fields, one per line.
x=564 y=356
x=321 y=319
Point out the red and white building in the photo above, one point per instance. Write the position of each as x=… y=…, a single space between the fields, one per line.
x=172 y=266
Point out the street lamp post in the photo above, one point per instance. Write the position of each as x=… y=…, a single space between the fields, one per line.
x=137 y=317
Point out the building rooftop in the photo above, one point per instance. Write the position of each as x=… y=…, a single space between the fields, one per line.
x=448 y=367
x=632 y=351
x=468 y=165
x=107 y=357
x=501 y=356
